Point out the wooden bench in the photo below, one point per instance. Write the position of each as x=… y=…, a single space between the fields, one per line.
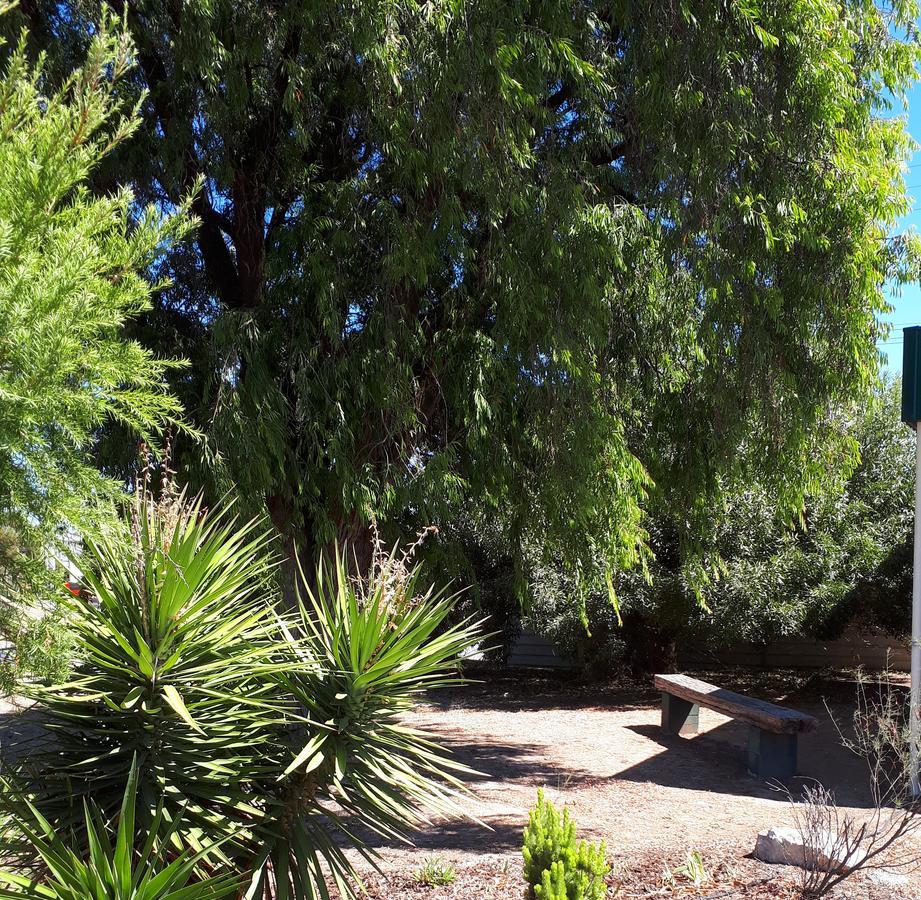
x=773 y=730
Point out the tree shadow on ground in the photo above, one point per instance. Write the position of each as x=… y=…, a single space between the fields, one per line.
x=523 y=764
x=22 y=733
x=539 y=689
x=543 y=691
x=496 y=763
x=509 y=770
x=460 y=835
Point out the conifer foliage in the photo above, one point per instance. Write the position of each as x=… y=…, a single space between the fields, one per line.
x=557 y=866
x=72 y=272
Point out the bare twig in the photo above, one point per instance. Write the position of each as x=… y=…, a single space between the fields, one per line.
x=837 y=842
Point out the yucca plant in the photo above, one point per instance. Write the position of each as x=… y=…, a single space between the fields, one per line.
x=368 y=649
x=275 y=736
x=110 y=871
x=176 y=647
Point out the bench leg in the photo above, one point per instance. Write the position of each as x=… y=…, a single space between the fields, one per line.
x=771 y=755
x=679 y=716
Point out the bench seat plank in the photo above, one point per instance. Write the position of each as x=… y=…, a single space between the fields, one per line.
x=764 y=715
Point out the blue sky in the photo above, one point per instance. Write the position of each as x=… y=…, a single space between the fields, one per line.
x=907 y=302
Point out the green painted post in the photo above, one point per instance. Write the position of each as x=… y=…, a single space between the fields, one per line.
x=679 y=716
x=911 y=416
x=771 y=755
x=911 y=377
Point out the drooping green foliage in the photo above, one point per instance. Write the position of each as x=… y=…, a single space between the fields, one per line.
x=275 y=737
x=110 y=871
x=556 y=865
x=532 y=255
x=847 y=562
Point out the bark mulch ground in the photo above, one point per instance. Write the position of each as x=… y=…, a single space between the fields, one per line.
x=648 y=876
x=645 y=878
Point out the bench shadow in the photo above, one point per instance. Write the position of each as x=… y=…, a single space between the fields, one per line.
x=716 y=761
x=538 y=696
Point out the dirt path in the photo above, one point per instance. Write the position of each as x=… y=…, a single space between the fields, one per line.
x=601 y=752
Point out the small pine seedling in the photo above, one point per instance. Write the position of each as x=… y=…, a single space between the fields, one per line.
x=553 y=883
x=547 y=837
x=556 y=865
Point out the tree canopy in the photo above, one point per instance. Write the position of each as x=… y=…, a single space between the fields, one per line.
x=543 y=257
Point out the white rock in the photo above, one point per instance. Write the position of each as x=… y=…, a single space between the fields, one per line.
x=887 y=877
x=786 y=846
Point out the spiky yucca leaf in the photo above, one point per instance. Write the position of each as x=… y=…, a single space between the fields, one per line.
x=367 y=655
x=176 y=668
x=278 y=738
x=109 y=871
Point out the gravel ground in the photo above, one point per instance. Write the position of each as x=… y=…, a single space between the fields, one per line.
x=652 y=798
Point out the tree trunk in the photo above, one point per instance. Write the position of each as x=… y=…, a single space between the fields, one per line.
x=301 y=553
x=650 y=648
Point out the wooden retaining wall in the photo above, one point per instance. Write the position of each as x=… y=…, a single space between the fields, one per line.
x=532 y=651
x=872 y=650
